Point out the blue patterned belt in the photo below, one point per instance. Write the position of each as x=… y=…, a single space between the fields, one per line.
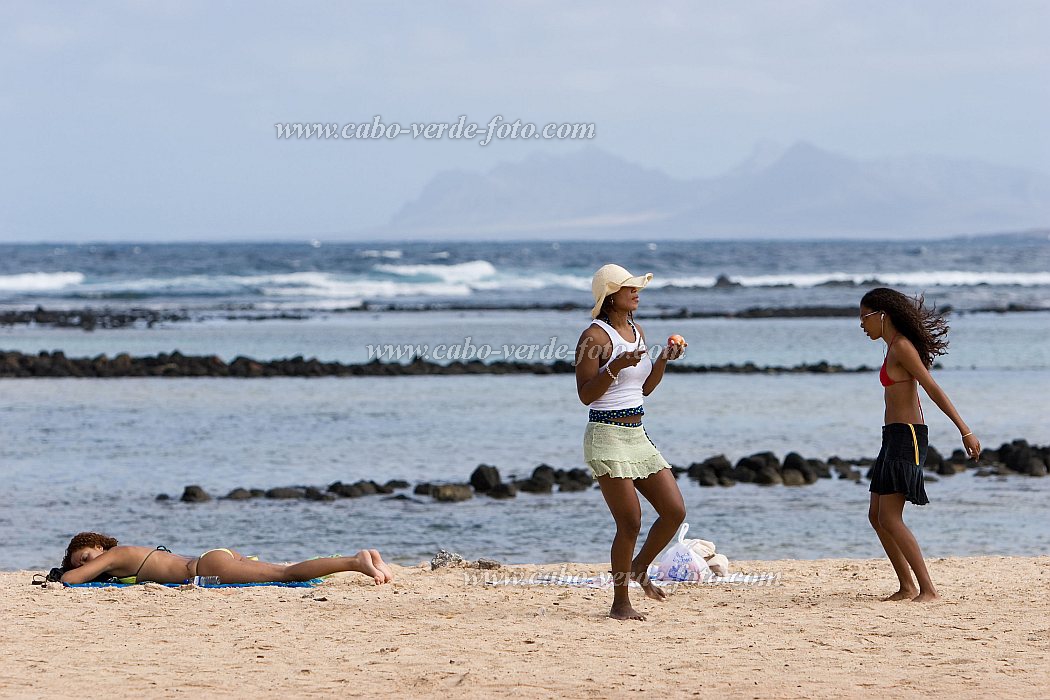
x=607 y=416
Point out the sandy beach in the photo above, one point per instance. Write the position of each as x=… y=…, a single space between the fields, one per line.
x=820 y=631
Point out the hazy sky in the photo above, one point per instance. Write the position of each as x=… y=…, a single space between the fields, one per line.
x=155 y=120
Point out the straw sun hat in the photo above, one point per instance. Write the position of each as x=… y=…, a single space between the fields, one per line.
x=611 y=278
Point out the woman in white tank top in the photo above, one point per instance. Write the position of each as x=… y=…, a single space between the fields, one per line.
x=614 y=371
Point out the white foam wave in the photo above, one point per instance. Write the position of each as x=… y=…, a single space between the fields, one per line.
x=463 y=280
x=533 y=281
x=462 y=273
x=39 y=281
x=358 y=289
x=326 y=285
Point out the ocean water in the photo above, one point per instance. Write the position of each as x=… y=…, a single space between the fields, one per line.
x=965 y=273
x=93 y=454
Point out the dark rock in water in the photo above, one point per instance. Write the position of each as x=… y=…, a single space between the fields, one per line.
x=678 y=471
x=504 y=490
x=450 y=493
x=238 y=494
x=720 y=463
x=747 y=469
x=532 y=485
x=580 y=476
x=368 y=488
x=568 y=486
x=194 y=494
x=485 y=478
x=285 y=492
x=397 y=484
x=934 y=460
x=1016 y=455
x=793 y=460
x=767 y=459
x=162 y=497
x=793 y=477
x=726 y=481
x=796 y=462
x=257 y=493
x=314 y=494
x=844 y=469
x=544 y=474
x=345 y=490
x=423 y=489
x=930 y=478
x=723 y=282
x=379 y=488
x=768 y=476
x=820 y=468
x=705 y=475
x=402 y=497
x=542 y=480
x=1037 y=467
x=984 y=472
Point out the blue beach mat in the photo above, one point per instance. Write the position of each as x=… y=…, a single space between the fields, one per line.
x=281 y=584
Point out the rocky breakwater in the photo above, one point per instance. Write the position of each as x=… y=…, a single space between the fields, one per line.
x=17 y=365
x=1016 y=458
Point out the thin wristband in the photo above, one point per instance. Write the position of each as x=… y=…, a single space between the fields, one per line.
x=967 y=435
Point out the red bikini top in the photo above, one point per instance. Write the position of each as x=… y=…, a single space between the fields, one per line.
x=884 y=376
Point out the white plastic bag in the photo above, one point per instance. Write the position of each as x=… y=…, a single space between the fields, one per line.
x=681 y=562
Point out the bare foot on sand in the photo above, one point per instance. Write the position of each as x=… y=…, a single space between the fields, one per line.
x=651 y=590
x=368 y=567
x=926 y=597
x=378 y=562
x=903 y=594
x=624 y=611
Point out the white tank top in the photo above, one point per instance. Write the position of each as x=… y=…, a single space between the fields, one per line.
x=626 y=391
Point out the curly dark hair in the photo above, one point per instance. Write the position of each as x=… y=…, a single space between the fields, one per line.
x=926 y=328
x=86 y=539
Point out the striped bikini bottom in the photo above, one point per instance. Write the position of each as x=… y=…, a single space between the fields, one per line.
x=597 y=416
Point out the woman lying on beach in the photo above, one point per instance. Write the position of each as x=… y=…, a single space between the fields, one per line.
x=90 y=555
x=613 y=372
x=914 y=336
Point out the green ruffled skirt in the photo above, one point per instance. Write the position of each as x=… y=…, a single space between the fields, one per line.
x=621 y=452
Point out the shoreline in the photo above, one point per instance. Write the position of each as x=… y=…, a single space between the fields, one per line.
x=820 y=631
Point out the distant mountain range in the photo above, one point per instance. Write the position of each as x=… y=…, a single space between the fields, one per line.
x=797 y=192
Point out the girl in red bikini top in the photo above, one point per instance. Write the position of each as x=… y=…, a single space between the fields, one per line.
x=887 y=312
